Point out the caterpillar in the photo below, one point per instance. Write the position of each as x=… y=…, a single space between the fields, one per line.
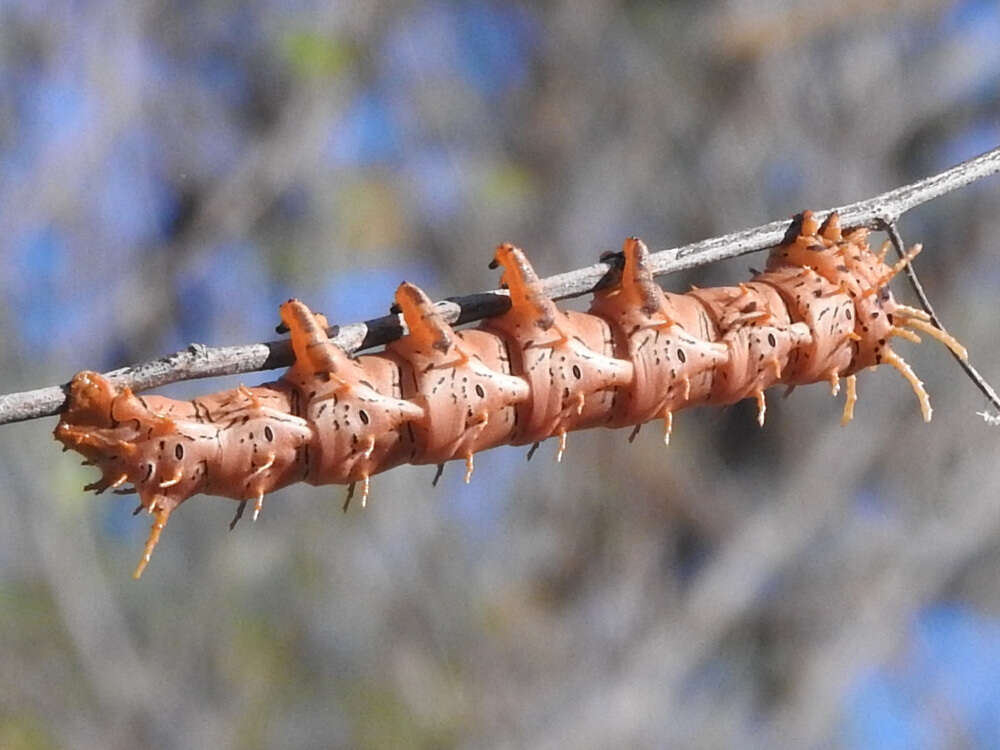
x=821 y=311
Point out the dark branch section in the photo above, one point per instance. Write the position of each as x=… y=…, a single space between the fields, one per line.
x=199 y=361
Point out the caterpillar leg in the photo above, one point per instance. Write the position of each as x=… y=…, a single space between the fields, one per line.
x=890 y=357
x=850 y=400
x=523 y=283
x=638 y=285
x=314 y=352
x=426 y=328
x=161 y=514
x=761 y=406
x=469 y=466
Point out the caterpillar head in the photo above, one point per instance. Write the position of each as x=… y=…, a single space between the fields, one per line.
x=128 y=441
x=101 y=422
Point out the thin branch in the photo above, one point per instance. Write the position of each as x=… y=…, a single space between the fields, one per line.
x=918 y=289
x=199 y=361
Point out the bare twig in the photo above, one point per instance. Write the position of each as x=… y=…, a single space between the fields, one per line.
x=202 y=362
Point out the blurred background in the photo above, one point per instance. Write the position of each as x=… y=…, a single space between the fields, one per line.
x=170 y=172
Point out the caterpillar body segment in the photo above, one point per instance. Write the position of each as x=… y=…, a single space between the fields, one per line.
x=461 y=381
x=824 y=308
x=567 y=358
x=355 y=408
x=665 y=356
x=821 y=311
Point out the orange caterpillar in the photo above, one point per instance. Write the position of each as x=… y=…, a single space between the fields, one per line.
x=821 y=311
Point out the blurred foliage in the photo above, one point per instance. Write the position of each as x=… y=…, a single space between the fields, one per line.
x=170 y=172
